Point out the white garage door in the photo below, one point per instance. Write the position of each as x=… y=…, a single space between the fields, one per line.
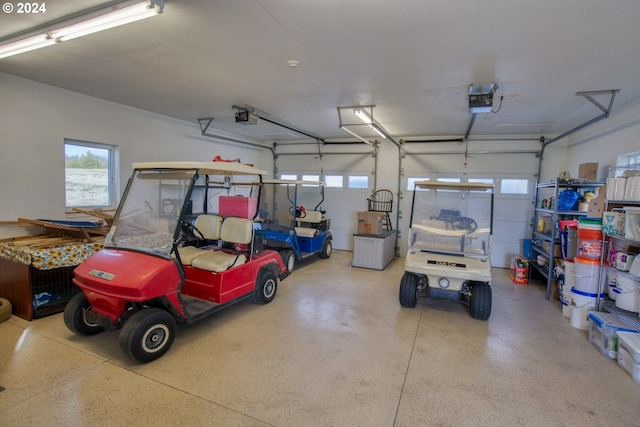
x=514 y=178
x=509 y=170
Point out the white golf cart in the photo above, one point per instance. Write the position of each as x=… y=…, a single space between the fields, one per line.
x=449 y=245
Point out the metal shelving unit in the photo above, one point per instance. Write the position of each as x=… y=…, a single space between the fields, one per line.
x=545 y=190
x=628 y=317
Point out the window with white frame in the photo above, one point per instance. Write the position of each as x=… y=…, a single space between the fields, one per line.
x=310 y=178
x=334 y=181
x=358 y=181
x=514 y=186
x=411 y=182
x=628 y=159
x=482 y=180
x=289 y=177
x=90 y=169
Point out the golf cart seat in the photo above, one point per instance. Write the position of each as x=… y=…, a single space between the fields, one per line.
x=237 y=231
x=210 y=226
x=310 y=221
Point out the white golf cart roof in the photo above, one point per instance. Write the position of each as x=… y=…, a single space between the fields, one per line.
x=292 y=182
x=441 y=185
x=207 y=168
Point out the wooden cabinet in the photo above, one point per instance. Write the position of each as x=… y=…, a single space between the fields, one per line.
x=35 y=293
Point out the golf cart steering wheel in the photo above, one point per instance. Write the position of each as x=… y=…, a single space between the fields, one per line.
x=300 y=211
x=191 y=230
x=464 y=223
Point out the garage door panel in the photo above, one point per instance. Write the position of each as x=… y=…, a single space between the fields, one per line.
x=504 y=231
x=511 y=209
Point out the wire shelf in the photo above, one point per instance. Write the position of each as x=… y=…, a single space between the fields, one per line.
x=628 y=317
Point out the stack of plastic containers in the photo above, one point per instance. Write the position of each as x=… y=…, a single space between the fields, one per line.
x=587 y=272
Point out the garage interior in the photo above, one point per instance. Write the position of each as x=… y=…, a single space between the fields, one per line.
x=512 y=94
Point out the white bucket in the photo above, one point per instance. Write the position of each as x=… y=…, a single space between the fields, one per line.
x=628 y=293
x=587 y=276
x=612 y=283
x=581 y=302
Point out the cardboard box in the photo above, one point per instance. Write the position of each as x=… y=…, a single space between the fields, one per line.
x=370 y=222
x=520 y=269
x=557 y=253
x=588 y=171
x=596 y=206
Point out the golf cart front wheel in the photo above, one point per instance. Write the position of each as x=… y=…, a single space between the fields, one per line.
x=74 y=317
x=481 y=301
x=147 y=335
x=409 y=290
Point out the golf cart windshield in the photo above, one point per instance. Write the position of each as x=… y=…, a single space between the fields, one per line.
x=149 y=212
x=160 y=195
x=287 y=201
x=452 y=218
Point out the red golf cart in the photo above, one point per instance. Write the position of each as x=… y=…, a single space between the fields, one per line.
x=181 y=247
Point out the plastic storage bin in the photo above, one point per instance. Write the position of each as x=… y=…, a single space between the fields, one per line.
x=632 y=223
x=629 y=353
x=589 y=239
x=238 y=206
x=602 y=332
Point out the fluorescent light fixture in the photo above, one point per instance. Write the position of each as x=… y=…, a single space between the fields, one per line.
x=378 y=130
x=355 y=135
x=25 y=45
x=363 y=115
x=368 y=120
x=110 y=20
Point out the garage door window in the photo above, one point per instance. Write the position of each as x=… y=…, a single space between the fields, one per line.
x=358 y=181
x=334 y=181
x=514 y=186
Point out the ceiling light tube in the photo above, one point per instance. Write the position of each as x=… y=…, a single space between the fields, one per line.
x=110 y=20
x=367 y=119
x=378 y=129
x=25 y=45
x=363 y=115
x=349 y=131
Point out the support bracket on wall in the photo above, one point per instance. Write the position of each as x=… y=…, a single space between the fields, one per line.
x=589 y=96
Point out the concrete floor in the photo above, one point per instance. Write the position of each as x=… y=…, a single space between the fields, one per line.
x=333 y=349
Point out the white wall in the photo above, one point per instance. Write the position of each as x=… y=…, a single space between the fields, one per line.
x=35 y=119
x=606 y=139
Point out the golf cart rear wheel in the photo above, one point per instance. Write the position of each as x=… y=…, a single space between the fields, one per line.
x=409 y=290
x=481 y=301
x=327 y=248
x=266 y=287
x=74 y=318
x=147 y=335
x=288 y=259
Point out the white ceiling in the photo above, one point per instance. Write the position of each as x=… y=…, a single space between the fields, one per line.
x=413 y=59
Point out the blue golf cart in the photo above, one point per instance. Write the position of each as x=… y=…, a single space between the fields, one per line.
x=297 y=233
